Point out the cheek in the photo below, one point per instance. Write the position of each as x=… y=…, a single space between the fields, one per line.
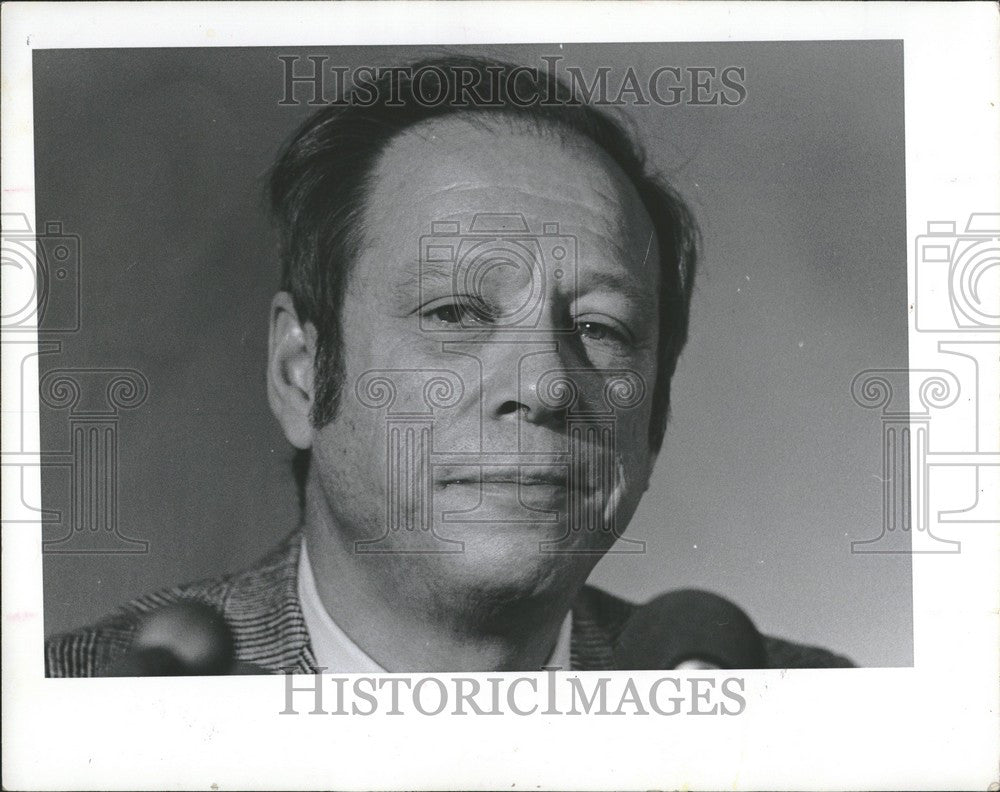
x=352 y=446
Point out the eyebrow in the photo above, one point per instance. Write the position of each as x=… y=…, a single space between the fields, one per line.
x=418 y=274
x=644 y=298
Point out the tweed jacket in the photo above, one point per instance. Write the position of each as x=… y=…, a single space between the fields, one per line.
x=261 y=606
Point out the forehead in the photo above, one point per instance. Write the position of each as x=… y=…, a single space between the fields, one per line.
x=457 y=167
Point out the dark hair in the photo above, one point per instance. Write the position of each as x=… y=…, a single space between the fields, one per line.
x=318 y=190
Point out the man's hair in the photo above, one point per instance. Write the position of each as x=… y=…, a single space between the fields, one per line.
x=319 y=188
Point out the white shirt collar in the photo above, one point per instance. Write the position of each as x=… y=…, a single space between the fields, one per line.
x=338 y=654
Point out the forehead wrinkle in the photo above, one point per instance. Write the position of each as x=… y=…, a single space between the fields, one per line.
x=454 y=137
x=610 y=224
x=609 y=217
x=415 y=273
x=612 y=199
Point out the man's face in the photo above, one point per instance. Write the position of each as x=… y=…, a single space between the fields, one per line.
x=500 y=351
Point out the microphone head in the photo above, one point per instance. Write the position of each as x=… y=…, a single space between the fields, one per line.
x=184 y=639
x=689 y=628
x=154 y=662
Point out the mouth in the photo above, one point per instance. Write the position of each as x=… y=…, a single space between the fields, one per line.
x=523 y=476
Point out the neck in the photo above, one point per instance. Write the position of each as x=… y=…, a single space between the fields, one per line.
x=393 y=607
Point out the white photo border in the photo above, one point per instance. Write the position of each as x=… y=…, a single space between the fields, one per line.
x=932 y=726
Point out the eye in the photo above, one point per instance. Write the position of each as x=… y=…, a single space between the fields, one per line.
x=594 y=330
x=447 y=314
x=455 y=314
x=602 y=332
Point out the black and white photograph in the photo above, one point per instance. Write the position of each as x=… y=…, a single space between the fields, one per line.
x=414 y=464
x=544 y=378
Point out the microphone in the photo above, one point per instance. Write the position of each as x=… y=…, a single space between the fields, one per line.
x=189 y=638
x=689 y=629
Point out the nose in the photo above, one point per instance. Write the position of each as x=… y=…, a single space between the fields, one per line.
x=518 y=375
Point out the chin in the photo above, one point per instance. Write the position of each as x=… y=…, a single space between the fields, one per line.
x=506 y=563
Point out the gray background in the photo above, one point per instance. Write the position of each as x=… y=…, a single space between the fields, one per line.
x=156 y=159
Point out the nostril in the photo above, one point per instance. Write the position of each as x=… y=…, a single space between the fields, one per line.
x=512 y=407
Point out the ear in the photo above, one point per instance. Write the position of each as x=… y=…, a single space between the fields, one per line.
x=291 y=356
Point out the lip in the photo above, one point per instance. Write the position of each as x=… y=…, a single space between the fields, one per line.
x=525 y=476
